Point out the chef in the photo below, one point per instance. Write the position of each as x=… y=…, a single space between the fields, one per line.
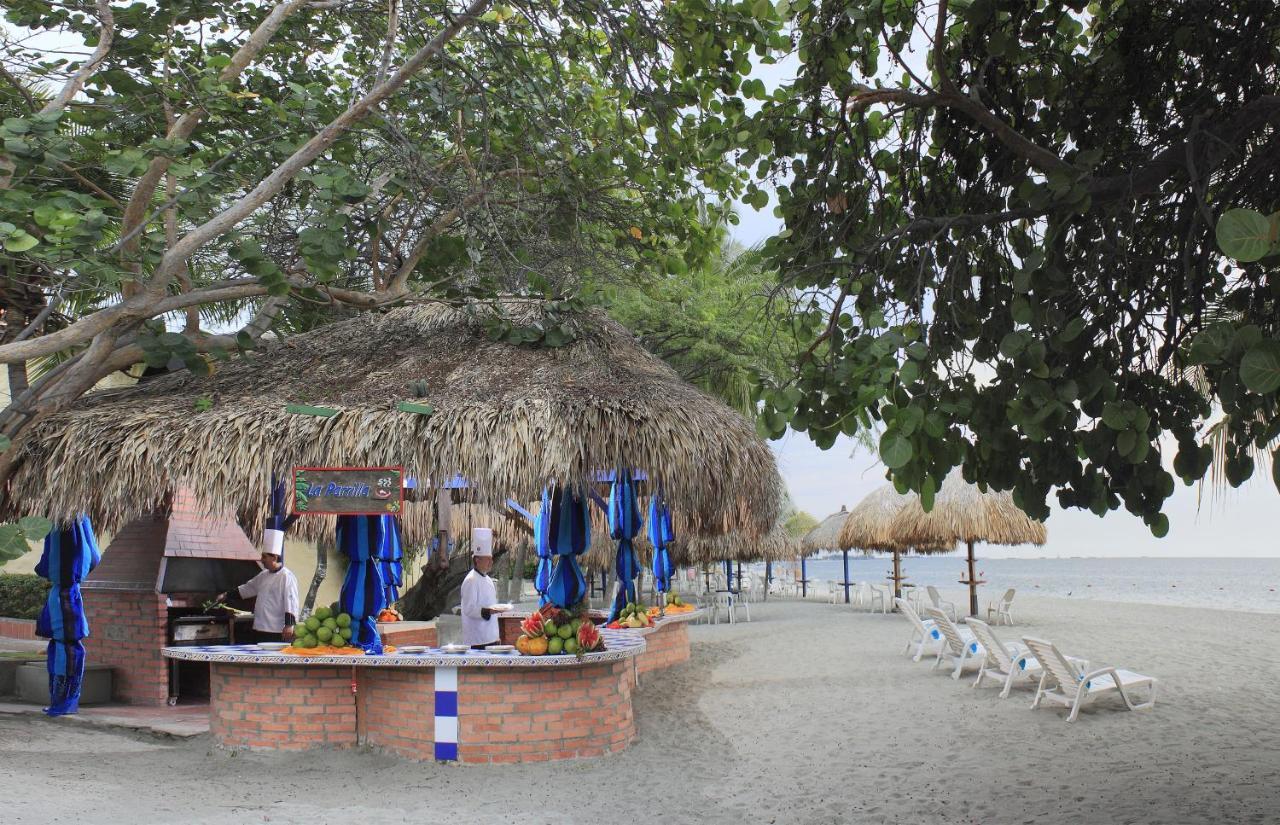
x=276 y=588
x=479 y=623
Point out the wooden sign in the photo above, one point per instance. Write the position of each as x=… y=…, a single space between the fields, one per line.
x=348 y=491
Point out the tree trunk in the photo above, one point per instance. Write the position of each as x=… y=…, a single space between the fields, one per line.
x=322 y=567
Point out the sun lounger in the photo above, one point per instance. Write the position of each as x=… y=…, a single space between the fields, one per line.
x=924 y=636
x=1009 y=663
x=960 y=647
x=1063 y=684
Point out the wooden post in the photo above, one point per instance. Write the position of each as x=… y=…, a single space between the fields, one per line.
x=897 y=576
x=973 y=585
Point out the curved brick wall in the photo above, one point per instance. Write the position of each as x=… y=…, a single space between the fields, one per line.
x=666 y=646
x=281 y=708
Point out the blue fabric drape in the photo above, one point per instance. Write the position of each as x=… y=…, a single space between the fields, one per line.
x=624 y=524
x=542 y=544
x=661 y=536
x=363 y=592
x=69 y=554
x=568 y=528
x=390 y=558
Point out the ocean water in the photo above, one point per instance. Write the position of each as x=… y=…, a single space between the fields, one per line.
x=1224 y=583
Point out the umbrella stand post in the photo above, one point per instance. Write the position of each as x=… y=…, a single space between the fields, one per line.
x=739 y=575
x=804 y=578
x=897 y=576
x=846 y=575
x=768 y=579
x=973 y=583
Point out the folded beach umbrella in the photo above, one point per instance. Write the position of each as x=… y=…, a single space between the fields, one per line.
x=363 y=592
x=661 y=535
x=69 y=554
x=568 y=526
x=390 y=558
x=542 y=546
x=624 y=523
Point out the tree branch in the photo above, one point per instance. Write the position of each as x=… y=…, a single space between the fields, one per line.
x=106 y=33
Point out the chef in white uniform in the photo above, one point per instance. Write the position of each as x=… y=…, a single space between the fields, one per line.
x=276 y=589
x=479 y=623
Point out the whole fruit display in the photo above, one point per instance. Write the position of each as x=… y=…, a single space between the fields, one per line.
x=555 y=645
x=323 y=613
x=566 y=631
x=313 y=624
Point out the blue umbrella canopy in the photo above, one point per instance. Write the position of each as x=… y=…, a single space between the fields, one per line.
x=661 y=535
x=568 y=528
x=542 y=545
x=390 y=557
x=624 y=524
x=363 y=591
x=69 y=554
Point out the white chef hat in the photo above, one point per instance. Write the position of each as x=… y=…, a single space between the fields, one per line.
x=481 y=542
x=273 y=542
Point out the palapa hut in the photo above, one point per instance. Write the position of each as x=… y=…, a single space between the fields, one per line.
x=824 y=537
x=509 y=418
x=964 y=513
x=870 y=527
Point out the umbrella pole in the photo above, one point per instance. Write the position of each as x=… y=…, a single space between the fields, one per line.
x=973 y=585
x=804 y=578
x=897 y=575
x=846 y=575
x=768 y=579
x=739 y=575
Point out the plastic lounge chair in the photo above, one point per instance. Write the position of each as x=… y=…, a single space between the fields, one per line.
x=1001 y=608
x=1007 y=663
x=1062 y=683
x=940 y=604
x=960 y=647
x=925 y=636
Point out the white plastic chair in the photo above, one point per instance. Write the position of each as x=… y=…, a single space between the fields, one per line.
x=925 y=637
x=882 y=594
x=1008 y=663
x=742 y=603
x=856 y=595
x=941 y=604
x=960 y=648
x=1001 y=608
x=1062 y=684
x=722 y=601
x=835 y=592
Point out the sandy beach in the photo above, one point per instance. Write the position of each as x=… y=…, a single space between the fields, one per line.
x=807 y=714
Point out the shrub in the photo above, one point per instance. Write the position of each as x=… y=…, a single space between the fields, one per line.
x=22 y=595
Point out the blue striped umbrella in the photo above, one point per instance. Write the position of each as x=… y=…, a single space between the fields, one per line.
x=568 y=528
x=661 y=536
x=363 y=592
x=69 y=554
x=624 y=524
x=390 y=556
x=542 y=544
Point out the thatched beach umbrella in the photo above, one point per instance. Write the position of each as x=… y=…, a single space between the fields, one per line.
x=824 y=537
x=962 y=512
x=509 y=418
x=870 y=527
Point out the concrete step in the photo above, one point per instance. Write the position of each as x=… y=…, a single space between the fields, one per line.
x=31 y=684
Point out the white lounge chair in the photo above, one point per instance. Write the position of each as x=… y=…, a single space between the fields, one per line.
x=940 y=604
x=1061 y=683
x=960 y=647
x=1008 y=663
x=925 y=637
x=1001 y=608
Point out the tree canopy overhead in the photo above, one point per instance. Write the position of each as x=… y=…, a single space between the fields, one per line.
x=1006 y=218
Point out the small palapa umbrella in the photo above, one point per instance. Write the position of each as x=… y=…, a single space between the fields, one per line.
x=69 y=555
x=869 y=527
x=964 y=513
x=542 y=546
x=826 y=536
x=569 y=535
x=660 y=536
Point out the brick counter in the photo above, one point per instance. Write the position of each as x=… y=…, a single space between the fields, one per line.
x=281 y=708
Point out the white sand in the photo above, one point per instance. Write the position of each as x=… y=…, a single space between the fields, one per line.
x=808 y=714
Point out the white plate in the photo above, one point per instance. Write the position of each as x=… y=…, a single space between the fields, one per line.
x=273 y=645
x=455 y=648
x=502 y=649
x=501 y=608
x=411 y=649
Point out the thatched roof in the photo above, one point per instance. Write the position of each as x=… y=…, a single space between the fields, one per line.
x=776 y=545
x=826 y=535
x=509 y=418
x=870 y=525
x=963 y=513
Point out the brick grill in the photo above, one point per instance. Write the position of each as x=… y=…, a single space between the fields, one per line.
x=125 y=601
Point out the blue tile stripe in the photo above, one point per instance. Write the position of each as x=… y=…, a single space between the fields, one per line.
x=446 y=718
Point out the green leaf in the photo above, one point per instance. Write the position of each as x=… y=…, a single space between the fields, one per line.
x=1160 y=526
x=1275 y=468
x=1260 y=367
x=20 y=242
x=1125 y=442
x=5 y=443
x=1116 y=416
x=12 y=544
x=895 y=451
x=35 y=528
x=1244 y=234
x=927 y=492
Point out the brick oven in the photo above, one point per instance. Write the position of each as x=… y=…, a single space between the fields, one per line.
x=156 y=570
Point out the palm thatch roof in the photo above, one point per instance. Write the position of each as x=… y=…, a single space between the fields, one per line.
x=870 y=525
x=963 y=513
x=776 y=545
x=510 y=418
x=826 y=535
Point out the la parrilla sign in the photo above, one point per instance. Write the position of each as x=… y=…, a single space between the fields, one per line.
x=348 y=491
